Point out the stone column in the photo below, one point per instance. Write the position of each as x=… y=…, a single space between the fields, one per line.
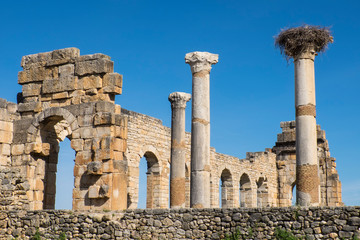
x=200 y=63
x=177 y=167
x=307 y=168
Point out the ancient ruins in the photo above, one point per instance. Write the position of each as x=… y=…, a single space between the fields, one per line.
x=66 y=95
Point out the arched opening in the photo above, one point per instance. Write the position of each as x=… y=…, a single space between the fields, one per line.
x=45 y=151
x=245 y=191
x=65 y=176
x=148 y=195
x=293 y=196
x=226 y=197
x=262 y=193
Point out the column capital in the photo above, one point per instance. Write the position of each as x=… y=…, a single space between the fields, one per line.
x=200 y=61
x=179 y=99
x=308 y=53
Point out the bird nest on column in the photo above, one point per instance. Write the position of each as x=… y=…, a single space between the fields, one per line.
x=294 y=41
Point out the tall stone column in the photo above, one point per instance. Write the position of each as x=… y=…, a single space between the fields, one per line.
x=307 y=167
x=302 y=43
x=177 y=167
x=200 y=63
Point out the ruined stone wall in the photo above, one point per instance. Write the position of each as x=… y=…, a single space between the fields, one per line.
x=148 y=137
x=68 y=95
x=252 y=223
x=285 y=150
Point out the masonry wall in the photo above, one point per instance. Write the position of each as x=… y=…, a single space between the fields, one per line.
x=253 y=223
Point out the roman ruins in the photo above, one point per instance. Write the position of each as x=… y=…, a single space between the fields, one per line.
x=66 y=95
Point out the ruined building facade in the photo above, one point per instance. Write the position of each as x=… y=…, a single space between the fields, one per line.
x=65 y=95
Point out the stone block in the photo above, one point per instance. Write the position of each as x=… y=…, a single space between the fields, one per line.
x=83 y=157
x=102 y=131
x=37 y=74
x=93 y=192
x=107 y=166
x=11 y=107
x=30 y=107
x=65 y=54
x=103 y=154
x=86 y=132
x=6 y=136
x=17 y=149
x=60 y=95
x=94 y=168
x=77 y=144
x=92 y=57
x=79 y=170
x=112 y=90
x=65 y=83
x=31 y=89
x=27 y=60
x=89 y=82
x=104 y=118
x=92 y=92
x=6 y=126
x=4 y=149
x=119 y=144
x=104 y=191
x=105 y=107
x=96 y=66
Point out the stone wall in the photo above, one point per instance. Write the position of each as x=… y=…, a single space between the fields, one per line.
x=253 y=223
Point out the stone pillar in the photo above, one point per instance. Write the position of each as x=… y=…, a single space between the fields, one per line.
x=200 y=63
x=177 y=167
x=307 y=168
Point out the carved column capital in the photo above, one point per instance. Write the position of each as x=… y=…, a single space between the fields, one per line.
x=201 y=61
x=179 y=99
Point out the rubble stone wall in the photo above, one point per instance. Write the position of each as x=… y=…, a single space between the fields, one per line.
x=252 y=223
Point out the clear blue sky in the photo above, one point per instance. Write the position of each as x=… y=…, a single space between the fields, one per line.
x=252 y=86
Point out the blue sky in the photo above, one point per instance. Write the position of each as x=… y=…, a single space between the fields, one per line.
x=252 y=86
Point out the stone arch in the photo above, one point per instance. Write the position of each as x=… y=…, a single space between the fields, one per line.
x=245 y=191
x=227 y=195
x=153 y=191
x=47 y=129
x=262 y=192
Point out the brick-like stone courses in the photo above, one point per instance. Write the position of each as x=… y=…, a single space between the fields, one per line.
x=148 y=135
x=68 y=95
x=253 y=223
x=284 y=148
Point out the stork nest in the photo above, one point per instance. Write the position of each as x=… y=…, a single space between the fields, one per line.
x=294 y=41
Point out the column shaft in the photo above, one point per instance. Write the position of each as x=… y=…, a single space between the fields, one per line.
x=177 y=167
x=200 y=63
x=307 y=169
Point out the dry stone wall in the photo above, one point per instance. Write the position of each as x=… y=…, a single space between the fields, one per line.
x=252 y=223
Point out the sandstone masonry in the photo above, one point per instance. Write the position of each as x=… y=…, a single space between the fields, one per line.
x=66 y=95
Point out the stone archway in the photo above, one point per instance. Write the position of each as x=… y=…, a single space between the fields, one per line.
x=245 y=191
x=49 y=128
x=227 y=197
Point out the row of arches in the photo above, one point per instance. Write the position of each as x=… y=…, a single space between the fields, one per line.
x=247 y=194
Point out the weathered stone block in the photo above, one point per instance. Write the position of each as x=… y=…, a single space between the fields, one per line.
x=5 y=149
x=17 y=149
x=31 y=89
x=89 y=82
x=94 y=192
x=112 y=90
x=6 y=136
x=86 y=132
x=95 y=66
x=60 y=95
x=94 y=168
x=6 y=126
x=113 y=79
x=35 y=58
x=77 y=144
x=104 y=118
x=64 y=83
x=83 y=157
x=30 y=107
x=103 y=154
x=105 y=107
x=37 y=74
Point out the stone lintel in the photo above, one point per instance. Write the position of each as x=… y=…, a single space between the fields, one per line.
x=179 y=99
x=201 y=61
